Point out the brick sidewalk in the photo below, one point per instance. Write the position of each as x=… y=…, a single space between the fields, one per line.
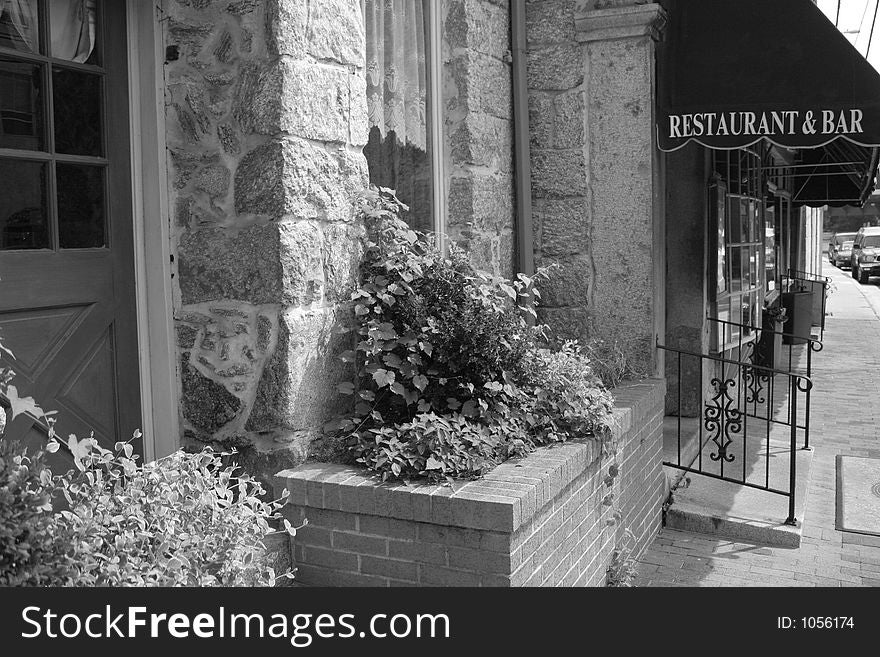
x=845 y=421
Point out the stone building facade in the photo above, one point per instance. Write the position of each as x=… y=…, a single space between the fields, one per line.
x=248 y=122
x=266 y=118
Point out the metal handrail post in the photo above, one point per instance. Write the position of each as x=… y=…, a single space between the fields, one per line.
x=792 y=456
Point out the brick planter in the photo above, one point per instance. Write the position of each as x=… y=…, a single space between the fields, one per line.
x=535 y=521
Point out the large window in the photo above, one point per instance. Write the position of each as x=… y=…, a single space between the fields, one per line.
x=403 y=152
x=739 y=268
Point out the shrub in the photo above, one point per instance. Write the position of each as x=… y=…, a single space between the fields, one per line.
x=184 y=520
x=27 y=537
x=449 y=377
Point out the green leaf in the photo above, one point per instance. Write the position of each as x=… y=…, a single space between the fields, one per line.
x=420 y=382
x=509 y=291
x=433 y=464
x=383 y=377
x=345 y=388
x=23 y=405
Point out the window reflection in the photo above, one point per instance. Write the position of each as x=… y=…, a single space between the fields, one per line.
x=21 y=114
x=80 y=206
x=77 y=99
x=23 y=215
x=19 y=25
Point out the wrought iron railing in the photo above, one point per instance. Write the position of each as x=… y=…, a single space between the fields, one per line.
x=776 y=350
x=748 y=412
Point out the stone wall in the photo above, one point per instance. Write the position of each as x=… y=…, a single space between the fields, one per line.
x=537 y=521
x=557 y=135
x=266 y=119
x=596 y=176
x=478 y=127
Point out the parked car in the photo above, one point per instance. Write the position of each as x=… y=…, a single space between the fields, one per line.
x=865 y=256
x=835 y=246
x=843 y=256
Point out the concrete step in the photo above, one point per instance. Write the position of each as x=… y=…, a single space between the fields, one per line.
x=705 y=505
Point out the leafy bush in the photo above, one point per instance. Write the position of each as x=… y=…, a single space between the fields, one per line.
x=27 y=537
x=184 y=520
x=449 y=377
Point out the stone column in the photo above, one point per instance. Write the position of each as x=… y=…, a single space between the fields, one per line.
x=624 y=177
x=687 y=291
x=266 y=116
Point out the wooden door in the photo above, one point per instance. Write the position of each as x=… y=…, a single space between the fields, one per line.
x=67 y=293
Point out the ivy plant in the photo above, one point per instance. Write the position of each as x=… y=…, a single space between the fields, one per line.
x=451 y=374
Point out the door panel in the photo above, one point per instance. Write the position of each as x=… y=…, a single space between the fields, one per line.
x=67 y=295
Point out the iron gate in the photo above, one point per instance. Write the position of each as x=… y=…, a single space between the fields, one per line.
x=742 y=419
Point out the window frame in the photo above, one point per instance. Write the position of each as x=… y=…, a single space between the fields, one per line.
x=749 y=189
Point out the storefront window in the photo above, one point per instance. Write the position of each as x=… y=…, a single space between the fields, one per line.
x=740 y=267
x=401 y=105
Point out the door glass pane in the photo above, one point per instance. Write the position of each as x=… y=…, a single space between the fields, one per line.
x=753 y=267
x=80 y=206
x=398 y=152
x=21 y=111
x=736 y=281
x=734 y=231
x=72 y=28
x=735 y=317
x=19 y=25
x=23 y=216
x=77 y=98
x=746 y=314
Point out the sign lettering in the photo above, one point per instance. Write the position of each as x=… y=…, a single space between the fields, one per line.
x=766 y=124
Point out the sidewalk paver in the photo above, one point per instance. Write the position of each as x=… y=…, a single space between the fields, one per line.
x=845 y=420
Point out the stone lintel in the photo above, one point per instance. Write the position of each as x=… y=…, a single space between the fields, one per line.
x=620 y=23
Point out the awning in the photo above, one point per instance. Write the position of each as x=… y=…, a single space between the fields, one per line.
x=733 y=73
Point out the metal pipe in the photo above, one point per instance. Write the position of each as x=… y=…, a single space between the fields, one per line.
x=525 y=250
x=792 y=455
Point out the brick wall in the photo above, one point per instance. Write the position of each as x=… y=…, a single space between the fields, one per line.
x=537 y=521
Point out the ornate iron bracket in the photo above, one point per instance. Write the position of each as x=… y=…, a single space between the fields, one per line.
x=721 y=419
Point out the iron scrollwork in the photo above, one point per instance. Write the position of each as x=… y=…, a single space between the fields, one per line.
x=721 y=419
x=753 y=381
